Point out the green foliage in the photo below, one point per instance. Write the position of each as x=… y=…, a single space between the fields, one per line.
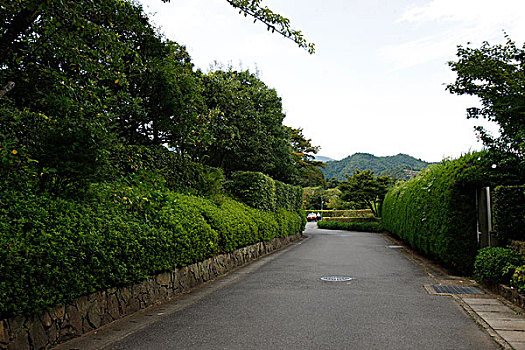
x=351 y=226
x=53 y=250
x=361 y=213
x=253 y=188
x=353 y=219
x=518 y=279
x=400 y=166
x=245 y=129
x=365 y=189
x=509 y=212
x=318 y=198
x=90 y=197
x=496 y=265
x=495 y=74
x=262 y=192
x=180 y=174
x=303 y=151
x=435 y=212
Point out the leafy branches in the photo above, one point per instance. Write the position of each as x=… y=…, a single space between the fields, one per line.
x=495 y=74
x=365 y=188
x=274 y=21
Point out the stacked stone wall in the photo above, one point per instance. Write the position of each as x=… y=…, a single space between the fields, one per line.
x=92 y=311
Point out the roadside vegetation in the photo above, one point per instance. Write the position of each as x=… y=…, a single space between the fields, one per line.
x=120 y=160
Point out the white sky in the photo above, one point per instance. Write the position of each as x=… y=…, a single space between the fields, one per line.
x=376 y=83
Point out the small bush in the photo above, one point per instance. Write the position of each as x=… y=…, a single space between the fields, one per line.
x=350 y=226
x=518 y=279
x=496 y=265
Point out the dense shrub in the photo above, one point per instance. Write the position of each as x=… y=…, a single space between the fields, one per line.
x=346 y=213
x=53 y=250
x=355 y=220
x=509 y=212
x=496 y=265
x=253 y=188
x=288 y=197
x=518 y=279
x=435 y=212
x=262 y=192
x=180 y=174
x=351 y=226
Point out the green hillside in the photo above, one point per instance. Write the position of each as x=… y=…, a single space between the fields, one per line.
x=400 y=166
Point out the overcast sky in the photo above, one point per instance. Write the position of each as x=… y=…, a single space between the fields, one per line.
x=376 y=83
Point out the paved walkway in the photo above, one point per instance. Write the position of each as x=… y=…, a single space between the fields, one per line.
x=281 y=302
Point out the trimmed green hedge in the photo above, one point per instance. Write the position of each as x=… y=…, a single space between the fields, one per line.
x=435 y=212
x=180 y=175
x=53 y=250
x=351 y=226
x=262 y=192
x=509 y=212
x=345 y=213
x=356 y=220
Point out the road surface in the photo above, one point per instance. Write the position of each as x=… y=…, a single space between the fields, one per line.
x=282 y=303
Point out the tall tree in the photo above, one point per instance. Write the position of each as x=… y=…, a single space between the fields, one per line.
x=75 y=66
x=309 y=170
x=366 y=189
x=495 y=74
x=245 y=126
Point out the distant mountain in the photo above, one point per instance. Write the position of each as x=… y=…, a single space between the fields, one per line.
x=400 y=166
x=324 y=159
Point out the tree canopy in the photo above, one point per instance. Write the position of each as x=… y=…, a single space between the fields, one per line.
x=92 y=79
x=365 y=189
x=495 y=74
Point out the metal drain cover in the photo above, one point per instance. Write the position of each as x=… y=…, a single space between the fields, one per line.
x=395 y=246
x=336 y=278
x=457 y=290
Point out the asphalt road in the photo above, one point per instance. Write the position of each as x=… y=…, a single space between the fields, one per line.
x=284 y=304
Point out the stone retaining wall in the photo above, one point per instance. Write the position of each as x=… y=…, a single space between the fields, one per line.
x=92 y=311
x=508 y=293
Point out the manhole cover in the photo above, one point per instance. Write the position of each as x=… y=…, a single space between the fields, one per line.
x=336 y=278
x=457 y=290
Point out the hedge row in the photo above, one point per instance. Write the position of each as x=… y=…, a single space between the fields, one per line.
x=351 y=226
x=355 y=220
x=262 y=192
x=435 y=212
x=180 y=174
x=53 y=250
x=509 y=212
x=361 y=213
